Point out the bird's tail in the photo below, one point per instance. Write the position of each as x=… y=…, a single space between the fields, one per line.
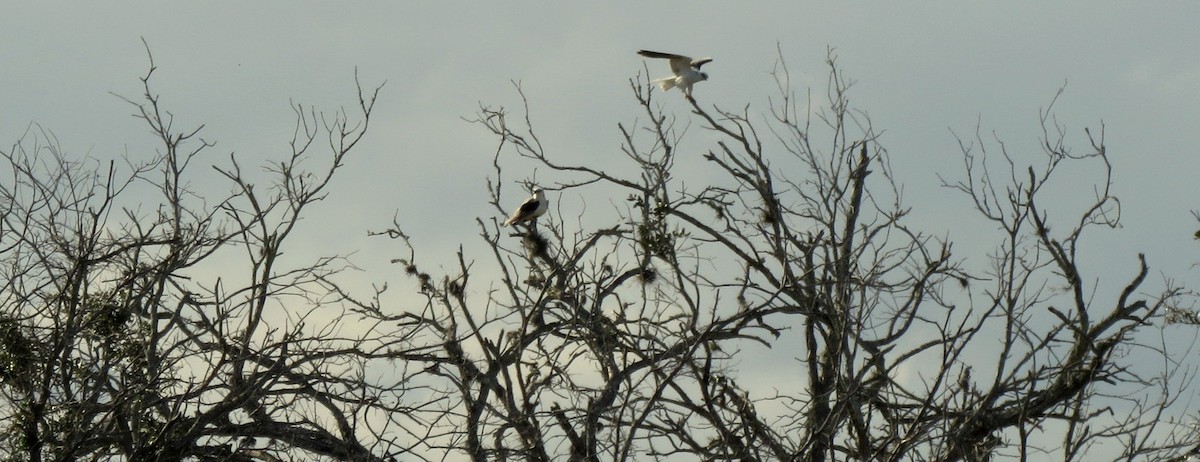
x=666 y=83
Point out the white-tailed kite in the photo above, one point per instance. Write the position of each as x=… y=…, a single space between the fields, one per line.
x=529 y=210
x=686 y=70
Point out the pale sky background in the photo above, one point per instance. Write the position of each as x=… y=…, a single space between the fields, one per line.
x=922 y=70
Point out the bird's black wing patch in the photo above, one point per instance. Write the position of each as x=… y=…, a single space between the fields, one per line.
x=658 y=54
x=528 y=208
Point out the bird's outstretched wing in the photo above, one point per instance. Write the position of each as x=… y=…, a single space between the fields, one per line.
x=659 y=54
x=679 y=63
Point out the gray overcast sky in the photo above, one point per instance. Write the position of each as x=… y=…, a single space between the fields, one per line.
x=920 y=70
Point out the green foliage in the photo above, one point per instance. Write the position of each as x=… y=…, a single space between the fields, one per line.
x=17 y=354
x=654 y=234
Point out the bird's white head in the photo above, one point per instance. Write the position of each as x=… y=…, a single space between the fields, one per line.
x=537 y=191
x=703 y=76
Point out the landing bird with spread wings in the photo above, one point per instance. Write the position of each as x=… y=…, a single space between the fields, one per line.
x=686 y=70
x=529 y=210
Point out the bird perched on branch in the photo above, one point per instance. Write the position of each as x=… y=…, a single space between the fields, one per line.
x=529 y=210
x=686 y=70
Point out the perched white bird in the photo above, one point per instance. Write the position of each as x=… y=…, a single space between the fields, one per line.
x=532 y=208
x=686 y=70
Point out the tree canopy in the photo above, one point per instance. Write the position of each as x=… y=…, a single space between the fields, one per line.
x=765 y=296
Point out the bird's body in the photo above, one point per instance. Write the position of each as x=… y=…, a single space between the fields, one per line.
x=529 y=210
x=685 y=69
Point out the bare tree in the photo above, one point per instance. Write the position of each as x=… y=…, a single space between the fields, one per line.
x=622 y=339
x=116 y=345
x=173 y=327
